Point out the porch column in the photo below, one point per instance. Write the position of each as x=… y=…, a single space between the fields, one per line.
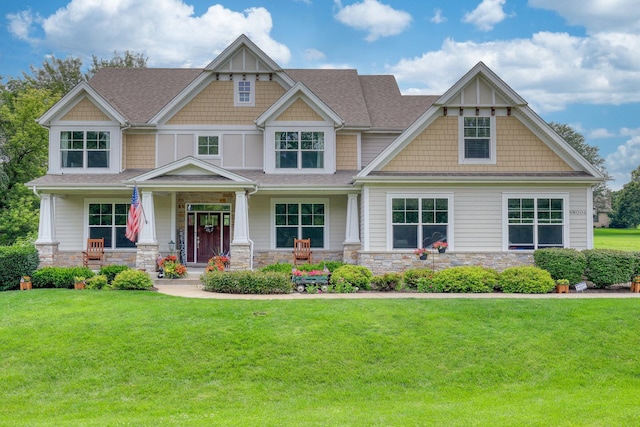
x=46 y=242
x=352 y=245
x=241 y=250
x=147 y=246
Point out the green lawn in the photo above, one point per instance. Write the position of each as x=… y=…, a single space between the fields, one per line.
x=100 y=358
x=626 y=239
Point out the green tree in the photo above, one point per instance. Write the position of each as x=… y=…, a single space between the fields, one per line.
x=626 y=203
x=601 y=192
x=129 y=60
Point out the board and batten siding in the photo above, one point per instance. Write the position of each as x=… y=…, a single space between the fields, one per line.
x=478 y=218
x=260 y=217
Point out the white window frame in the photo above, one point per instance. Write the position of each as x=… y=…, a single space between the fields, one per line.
x=55 y=153
x=270 y=151
x=419 y=196
x=251 y=79
x=272 y=219
x=85 y=150
x=535 y=196
x=87 y=202
x=492 y=142
x=207 y=135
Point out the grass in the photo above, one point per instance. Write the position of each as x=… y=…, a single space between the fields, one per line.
x=95 y=358
x=626 y=239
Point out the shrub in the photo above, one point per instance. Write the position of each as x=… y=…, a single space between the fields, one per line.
x=387 y=282
x=16 y=261
x=561 y=263
x=426 y=284
x=59 y=277
x=466 y=279
x=131 y=279
x=526 y=280
x=111 y=271
x=342 y=286
x=278 y=268
x=607 y=267
x=329 y=265
x=356 y=275
x=413 y=276
x=97 y=282
x=247 y=282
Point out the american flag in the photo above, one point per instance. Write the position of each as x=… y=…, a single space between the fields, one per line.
x=135 y=216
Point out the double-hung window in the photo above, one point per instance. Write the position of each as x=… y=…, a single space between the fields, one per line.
x=244 y=91
x=208 y=146
x=109 y=220
x=300 y=221
x=84 y=149
x=419 y=222
x=299 y=150
x=535 y=222
x=477 y=144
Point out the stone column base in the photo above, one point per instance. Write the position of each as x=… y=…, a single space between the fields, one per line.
x=240 y=256
x=351 y=253
x=47 y=253
x=146 y=256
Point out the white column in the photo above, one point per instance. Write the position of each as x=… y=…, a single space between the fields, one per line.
x=46 y=227
x=241 y=219
x=148 y=227
x=352 y=233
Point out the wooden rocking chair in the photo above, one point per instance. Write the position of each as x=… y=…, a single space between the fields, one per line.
x=302 y=251
x=94 y=252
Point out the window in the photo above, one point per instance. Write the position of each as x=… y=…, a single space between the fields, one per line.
x=299 y=221
x=208 y=146
x=84 y=149
x=419 y=221
x=535 y=223
x=299 y=150
x=109 y=220
x=477 y=144
x=244 y=91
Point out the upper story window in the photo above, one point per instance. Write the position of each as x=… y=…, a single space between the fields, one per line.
x=208 y=146
x=244 y=90
x=299 y=150
x=84 y=149
x=477 y=141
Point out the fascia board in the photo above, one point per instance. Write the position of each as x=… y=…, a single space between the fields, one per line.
x=190 y=161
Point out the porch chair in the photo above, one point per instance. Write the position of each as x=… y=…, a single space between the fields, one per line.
x=94 y=252
x=302 y=251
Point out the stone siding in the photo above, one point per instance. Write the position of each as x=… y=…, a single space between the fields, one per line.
x=74 y=259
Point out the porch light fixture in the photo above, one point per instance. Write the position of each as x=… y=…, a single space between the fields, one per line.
x=172 y=245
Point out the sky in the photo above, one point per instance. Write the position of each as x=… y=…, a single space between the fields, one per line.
x=575 y=62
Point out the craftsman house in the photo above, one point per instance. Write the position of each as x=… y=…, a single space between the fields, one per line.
x=241 y=157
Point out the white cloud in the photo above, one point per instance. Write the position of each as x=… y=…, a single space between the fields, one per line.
x=600 y=133
x=620 y=163
x=437 y=17
x=21 y=24
x=550 y=70
x=166 y=31
x=596 y=15
x=380 y=20
x=313 y=55
x=486 y=15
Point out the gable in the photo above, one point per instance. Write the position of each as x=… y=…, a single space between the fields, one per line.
x=85 y=110
x=299 y=111
x=478 y=92
x=518 y=149
x=244 y=60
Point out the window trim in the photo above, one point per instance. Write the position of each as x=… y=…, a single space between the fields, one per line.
x=272 y=220
x=535 y=196
x=104 y=201
x=492 y=143
x=115 y=149
x=329 y=147
x=197 y=144
x=85 y=150
x=420 y=196
x=299 y=151
x=237 y=78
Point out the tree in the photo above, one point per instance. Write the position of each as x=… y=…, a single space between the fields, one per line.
x=58 y=76
x=130 y=60
x=626 y=203
x=601 y=193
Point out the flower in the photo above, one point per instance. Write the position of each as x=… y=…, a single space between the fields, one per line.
x=172 y=268
x=421 y=251
x=300 y=273
x=218 y=263
x=440 y=245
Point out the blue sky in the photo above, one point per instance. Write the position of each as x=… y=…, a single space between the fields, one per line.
x=574 y=61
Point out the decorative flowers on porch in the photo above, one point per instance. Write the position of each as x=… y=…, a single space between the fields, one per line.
x=171 y=268
x=218 y=263
x=421 y=253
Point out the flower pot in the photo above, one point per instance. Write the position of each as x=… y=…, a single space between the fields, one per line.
x=562 y=289
x=423 y=257
x=635 y=285
x=25 y=285
x=442 y=250
x=78 y=285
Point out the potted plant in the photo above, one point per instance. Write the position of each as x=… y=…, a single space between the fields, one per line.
x=79 y=282
x=441 y=246
x=635 y=285
x=562 y=286
x=171 y=268
x=421 y=253
x=25 y=283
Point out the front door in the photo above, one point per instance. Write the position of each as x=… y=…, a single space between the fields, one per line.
x=208 y=234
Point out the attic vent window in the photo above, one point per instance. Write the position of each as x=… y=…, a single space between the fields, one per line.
x=244 y=91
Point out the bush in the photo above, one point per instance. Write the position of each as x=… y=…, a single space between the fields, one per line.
x=16 y=261
x=247 y=282
x=278 y=268
x=526 y=280
x=59 y=277
x=466 y=279
x=342 y=286
x=111 y=271
x=131 y=279
x=426 y=284
x=607 y=267
x=561 y=263
x=97 y=282
x=387 y=282
x=413 y=276
x=356 y=275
